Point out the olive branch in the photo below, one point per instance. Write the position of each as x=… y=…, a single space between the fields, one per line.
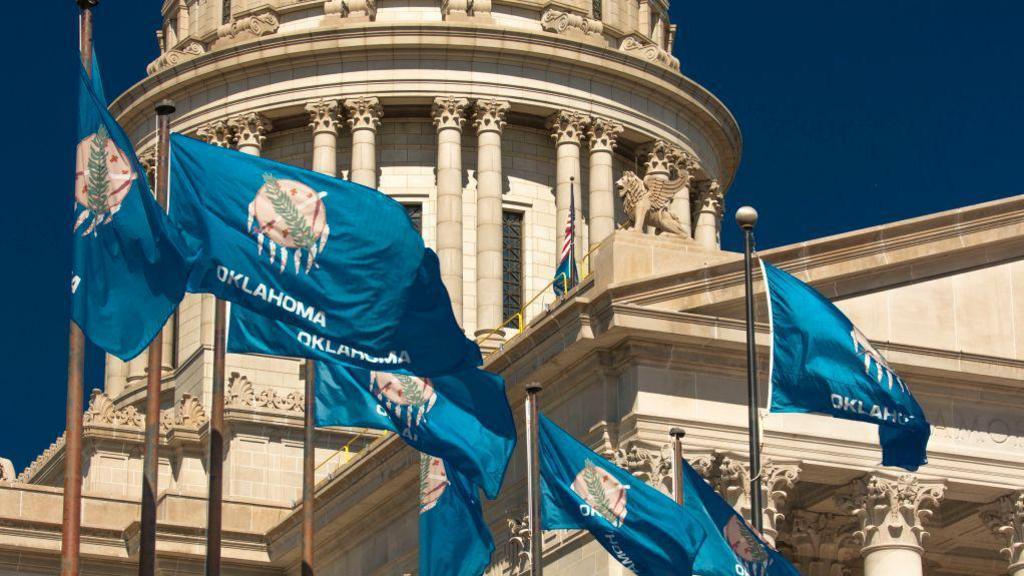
x=301 y=233
x=754 y=545
x=424 y=475
x=99 y=177
x=412 y=393
x=596 y=491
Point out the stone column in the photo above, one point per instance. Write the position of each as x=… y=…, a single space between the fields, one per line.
x=823 y=543
x=489 y=120
x=323 y=119
x=710 y=206
x=1005 y=518
x=449 y=117
x=364 y=116
x=777 y=481
x=250 y=132
x=566 y=130
x=892 y=512
x=602 y=137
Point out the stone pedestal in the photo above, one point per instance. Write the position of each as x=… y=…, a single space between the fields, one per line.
x=630 y=255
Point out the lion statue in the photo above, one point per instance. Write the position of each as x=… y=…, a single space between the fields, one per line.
x=646 y=203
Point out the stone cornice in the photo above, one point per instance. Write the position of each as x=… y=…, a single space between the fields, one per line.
x=449 y=40
x=855 y=263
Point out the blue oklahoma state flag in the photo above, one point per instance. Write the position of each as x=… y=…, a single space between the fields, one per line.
x=642 y=528
x=454 y=538
x=732 y=548
x=821 y=362
x=338 y=261
x=129 y=266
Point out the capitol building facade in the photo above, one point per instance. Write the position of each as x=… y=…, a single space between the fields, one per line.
x=487 y=119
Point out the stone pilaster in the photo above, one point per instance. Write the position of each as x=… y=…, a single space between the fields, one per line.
x=823 y=543
x=892 y=512
x=777 y=481
x=449 y=113
x=710 y=207
x=602 y=136
x=364 y=116
x=567 y=128
x=251 y=131
x=1005 y=518
x=489 y=121
x=217 y=133
x=324 y=120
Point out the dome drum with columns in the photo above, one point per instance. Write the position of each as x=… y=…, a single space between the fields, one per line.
x=482 y=117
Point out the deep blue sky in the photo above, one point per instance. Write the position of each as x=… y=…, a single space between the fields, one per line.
x=853 y=114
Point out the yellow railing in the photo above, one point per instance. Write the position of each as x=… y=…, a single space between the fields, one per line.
x=344 y=451
x=518 y=320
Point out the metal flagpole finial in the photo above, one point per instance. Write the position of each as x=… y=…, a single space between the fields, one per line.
x=87 y=4
x=677 y=433
x=746 y=217
x=165 y=107
x=534 y=388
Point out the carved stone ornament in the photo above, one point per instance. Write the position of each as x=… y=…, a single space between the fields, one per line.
x=489 y=115
x=148 y=160
x=823 y=543
x=457 y=8
x=187 y=414
x=29 y=473
x=648 y=50
x=323 y=116
x=709 y=198
x=353 y=9
x=218 y=133
x=242 y=394
x=102 y=412
x=250 y=129
x=653 y=467
x=567 y=126
x=561 y=22
x=517 y=549
x=364 y=113
x=7 y=471
x=259 y=23
x=1005 y=518
x=892 y=511
x=777 y=482
x=646 y=202
x=603 y=134
x=449 y=112
x=184 y=52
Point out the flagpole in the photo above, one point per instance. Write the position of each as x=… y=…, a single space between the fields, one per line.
x=154 y=373
x=573 y=278
x=533 y=477
x=746 y=218
x=677 y=435
x=216 y=466
x=72 y=520
x=309 y=471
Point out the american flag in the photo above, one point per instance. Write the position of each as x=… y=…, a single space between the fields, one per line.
x=565 y=275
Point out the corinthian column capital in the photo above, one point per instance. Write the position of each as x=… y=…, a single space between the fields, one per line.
x=892 y=510
x=710 y=197
x=777 y=481
x=250 y=129
x=217 y=133
x=323 y=116
x=449 y=112
x=567 y=126
x=489 y=115
x=1005 y=518
x=364 y=113
x=603 y=134
x=823 y=543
